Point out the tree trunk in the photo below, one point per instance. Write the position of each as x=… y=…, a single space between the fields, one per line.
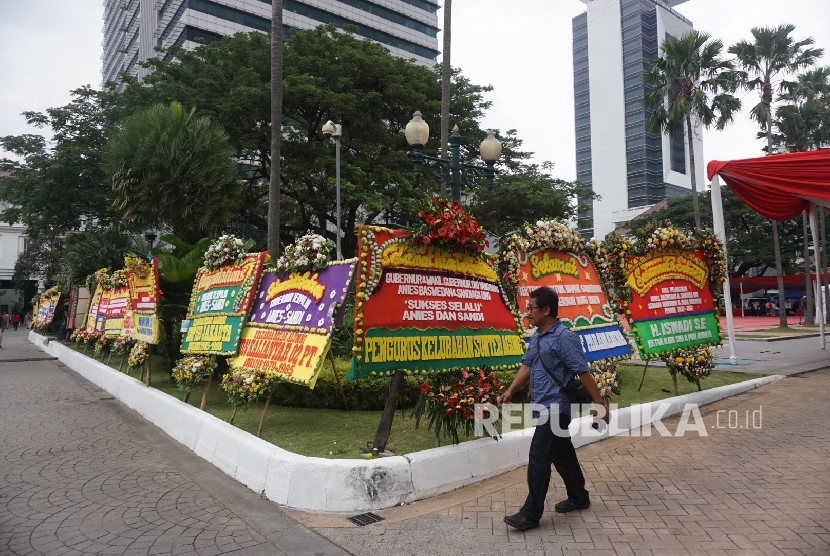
x=808 y=309
x=276 y=130
x=779 y=272
x=170 y=348
x=695 y=203
x=776 y=243
x=446 y=75
x=385 y=426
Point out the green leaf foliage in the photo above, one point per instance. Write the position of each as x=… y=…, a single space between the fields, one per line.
x=748 y=234
x=332 y=75
x=170 y=168
x=88 y=251
x=59 y=184
x=527 y=195
x=767 y=59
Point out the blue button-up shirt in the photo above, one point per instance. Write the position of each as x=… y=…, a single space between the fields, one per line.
x=562 y=350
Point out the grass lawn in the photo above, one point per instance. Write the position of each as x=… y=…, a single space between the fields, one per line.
x=333 y=433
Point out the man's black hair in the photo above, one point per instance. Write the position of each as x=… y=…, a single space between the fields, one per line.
x=546 y=297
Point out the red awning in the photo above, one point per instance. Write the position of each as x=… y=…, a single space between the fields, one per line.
x=778 y=186
x=791 y=282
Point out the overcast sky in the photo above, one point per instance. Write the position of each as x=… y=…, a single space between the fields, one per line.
x=522 y=48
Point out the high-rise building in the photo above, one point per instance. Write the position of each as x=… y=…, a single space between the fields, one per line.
x=133 y=28
x=613 y=42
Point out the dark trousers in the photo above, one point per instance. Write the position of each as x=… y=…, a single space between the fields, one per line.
x=547 y=448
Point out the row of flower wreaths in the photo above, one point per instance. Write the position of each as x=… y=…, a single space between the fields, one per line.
x=448 y=226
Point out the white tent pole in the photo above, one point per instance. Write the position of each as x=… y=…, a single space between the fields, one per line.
x=816 y=250
x=720 y=232
x=743 y=313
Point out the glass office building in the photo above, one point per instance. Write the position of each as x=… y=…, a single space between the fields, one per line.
x=133 y=28
x=613 y=42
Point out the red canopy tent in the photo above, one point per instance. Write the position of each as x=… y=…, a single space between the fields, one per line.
x=779 y=186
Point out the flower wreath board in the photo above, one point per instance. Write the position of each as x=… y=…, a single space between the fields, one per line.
x=47 y=305
x=292 y=319
x=78 y=305
x=583 y=304
x=114 y=304
x=95 y=318
x=140 y=319
x=671 y=282
x=424 y=309
x=219 y=306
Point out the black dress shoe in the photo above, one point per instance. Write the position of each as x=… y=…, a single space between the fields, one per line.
x=521 y=522
x=568 y=505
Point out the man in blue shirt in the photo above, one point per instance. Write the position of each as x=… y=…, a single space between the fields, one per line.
x=562 y=353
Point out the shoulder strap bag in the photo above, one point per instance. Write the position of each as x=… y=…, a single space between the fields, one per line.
x=575 y=390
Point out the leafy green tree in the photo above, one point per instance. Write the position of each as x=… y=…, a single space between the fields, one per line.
x=90 y=250
x=42 y=259
x=768 y=60
x=170 y=168
x=690 y=81
x=771 y=56
x=59 y=185
x=177 y=273
x=328 y=74
x=804 y=122
x=747 y=232
x=527 y=195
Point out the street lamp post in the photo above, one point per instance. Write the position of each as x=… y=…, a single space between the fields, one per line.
x=331 y=129
x=452 y=171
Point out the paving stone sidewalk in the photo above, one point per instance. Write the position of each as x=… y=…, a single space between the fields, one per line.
x=81 y=473
x=736 y=491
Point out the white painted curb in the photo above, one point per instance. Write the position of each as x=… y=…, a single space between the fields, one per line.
x=324 y=485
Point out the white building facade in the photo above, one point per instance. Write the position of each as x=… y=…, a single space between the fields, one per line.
x=133 y=28
x=631 y=170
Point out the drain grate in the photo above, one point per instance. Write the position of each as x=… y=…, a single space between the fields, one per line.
x=107 y=399
x=365 y=519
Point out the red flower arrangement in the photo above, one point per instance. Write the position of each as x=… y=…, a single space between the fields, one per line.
x=449 y=227
x=451 y=404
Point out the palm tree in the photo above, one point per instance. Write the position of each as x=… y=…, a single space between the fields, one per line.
x=804 y=123
x=171 y=169
x=689 y=80
x=446 y=76
x=772 y=55
x=276 y=130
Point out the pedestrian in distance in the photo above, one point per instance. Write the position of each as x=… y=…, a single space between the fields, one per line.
x=15 y=320
x=7 y=320
x=563 y=356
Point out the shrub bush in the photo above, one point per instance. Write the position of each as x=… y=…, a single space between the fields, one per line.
x=361 y=395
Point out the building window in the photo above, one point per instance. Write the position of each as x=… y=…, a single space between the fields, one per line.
x=678 y=154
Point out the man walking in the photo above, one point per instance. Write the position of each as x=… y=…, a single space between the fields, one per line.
x=552 y=349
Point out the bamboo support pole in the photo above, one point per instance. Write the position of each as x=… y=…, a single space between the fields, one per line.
x=337 y=378
x=262 y=417
x=233 y=415
x=149 y=362
x=205 y=392
x=207 y=386
x=644 y=375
